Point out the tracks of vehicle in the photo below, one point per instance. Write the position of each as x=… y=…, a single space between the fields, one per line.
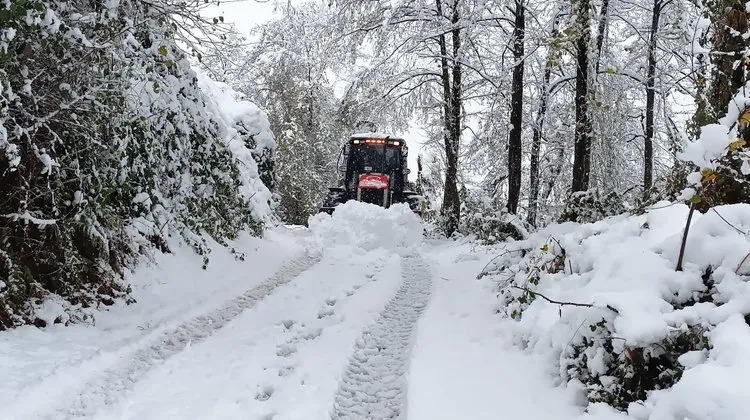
x=374 y=384
x=111 y=385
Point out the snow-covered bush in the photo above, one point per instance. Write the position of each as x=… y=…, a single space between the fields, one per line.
x=493 y=227
x=107 y=147
x=486 y=220
x=723 y=163
x=246 y=131
x=590 y=206
x=605 y=301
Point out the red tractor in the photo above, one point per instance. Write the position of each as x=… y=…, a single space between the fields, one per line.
x=373 y=169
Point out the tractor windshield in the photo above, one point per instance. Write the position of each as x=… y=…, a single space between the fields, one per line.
x=379 y=159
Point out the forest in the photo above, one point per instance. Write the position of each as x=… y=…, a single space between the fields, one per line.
x=538 y=112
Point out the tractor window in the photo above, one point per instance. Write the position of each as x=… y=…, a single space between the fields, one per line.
x=391 y=159
x=380 y=159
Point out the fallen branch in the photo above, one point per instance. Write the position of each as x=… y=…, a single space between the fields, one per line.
x=483 y=273
x=737 y=271
x=557 y=302
x=727 y=222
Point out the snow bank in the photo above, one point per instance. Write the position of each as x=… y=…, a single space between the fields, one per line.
x=633 y=303
x=366 y=227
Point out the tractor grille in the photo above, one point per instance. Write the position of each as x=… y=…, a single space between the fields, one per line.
x=372 y=196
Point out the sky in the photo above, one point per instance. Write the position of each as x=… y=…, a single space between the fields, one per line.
x=246 y=14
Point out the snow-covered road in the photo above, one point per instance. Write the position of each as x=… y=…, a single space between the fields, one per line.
x=355 y=329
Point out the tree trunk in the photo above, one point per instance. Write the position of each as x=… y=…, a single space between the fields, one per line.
x=603 y=17
x=537 y=130
x=582 y=150
x=536 y=143
x=648 y=147
x=451 y=208
x=515 y=151
x=730 y=24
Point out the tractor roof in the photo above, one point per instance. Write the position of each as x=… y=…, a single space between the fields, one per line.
x=375 y=136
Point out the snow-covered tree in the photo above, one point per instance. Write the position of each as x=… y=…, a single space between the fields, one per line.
x=288 y=72
x=107 y=147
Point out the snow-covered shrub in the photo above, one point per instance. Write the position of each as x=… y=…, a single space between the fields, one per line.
x=486 y=220
x=605 y=301
x=590 y=206
x=107 y=147
x=723 y=163
x=493 y=227
x=620 y=375
x=246 y=132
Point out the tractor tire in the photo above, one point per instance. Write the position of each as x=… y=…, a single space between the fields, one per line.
x=333 y=198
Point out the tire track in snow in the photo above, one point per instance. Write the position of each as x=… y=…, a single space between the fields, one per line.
x=374 y=385
x=307 y=334
x=113 y=384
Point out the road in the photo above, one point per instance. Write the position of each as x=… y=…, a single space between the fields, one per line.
x=376 y=334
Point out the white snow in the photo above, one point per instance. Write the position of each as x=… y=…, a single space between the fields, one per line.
x=464 y=364
x=362 y=227
x=628 y=264
x=30 y=218
x=57 y=362
x=78 y=197
x=48 y=163
x=710 y=146
x=142 y=197
x=281 y=359
x=359 y=315
x=702 y=25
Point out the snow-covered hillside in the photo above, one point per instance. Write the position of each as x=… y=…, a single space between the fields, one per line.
x=360 y=317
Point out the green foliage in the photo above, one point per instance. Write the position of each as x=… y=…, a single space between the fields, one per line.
x=589 y=206
x=727 y=184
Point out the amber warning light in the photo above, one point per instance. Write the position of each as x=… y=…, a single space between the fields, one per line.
x=377 y=141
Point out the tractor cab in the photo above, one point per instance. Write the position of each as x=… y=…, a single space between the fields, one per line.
x=372 y=169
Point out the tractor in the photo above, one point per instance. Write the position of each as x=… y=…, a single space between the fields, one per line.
x=373 y=169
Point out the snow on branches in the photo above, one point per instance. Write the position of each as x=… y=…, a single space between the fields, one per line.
x=108 y=146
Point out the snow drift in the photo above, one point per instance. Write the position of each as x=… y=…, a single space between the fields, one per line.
x=605 y=302
x=366 y=227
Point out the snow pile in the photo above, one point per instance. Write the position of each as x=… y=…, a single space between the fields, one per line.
x=366 y=227
x=605 y=301
x=247 y=133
